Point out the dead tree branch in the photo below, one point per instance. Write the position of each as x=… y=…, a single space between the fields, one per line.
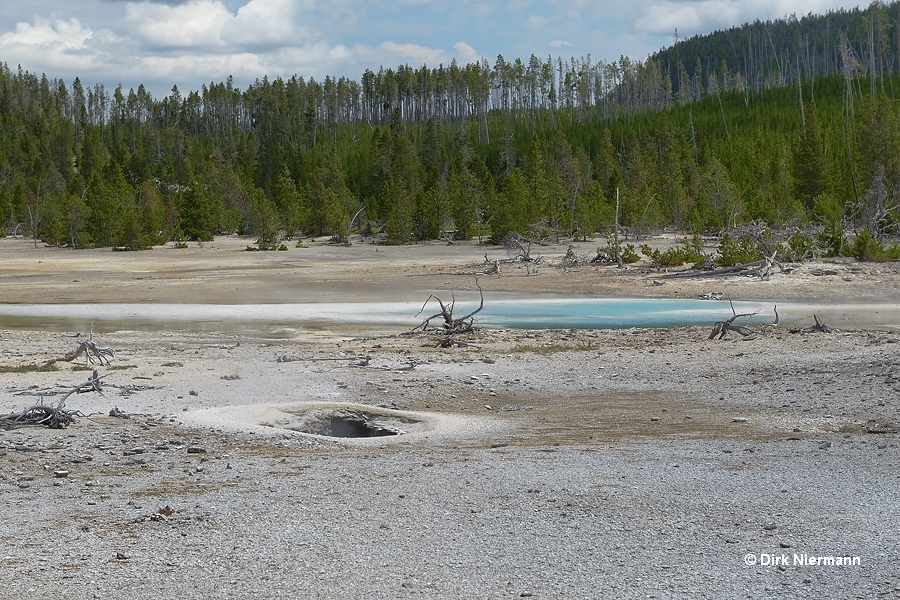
x=451 y=325
x=722 y=328
x=91 y=352
x=45 y=415
x=715 y=273
x=519 y=249
x=819 y=327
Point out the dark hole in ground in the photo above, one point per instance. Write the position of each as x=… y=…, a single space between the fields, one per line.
x=356 y=427
x=350 y=422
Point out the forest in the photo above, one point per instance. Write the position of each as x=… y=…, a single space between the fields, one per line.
x=793 y=123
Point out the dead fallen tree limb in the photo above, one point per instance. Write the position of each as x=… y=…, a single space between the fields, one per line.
x=357 y=360
x=451 y=324
x=819 y=327
x=41 y=415
x=46 y=415
x=716 y=272
x=723 y=328
x=760 y=268
x=91 y=352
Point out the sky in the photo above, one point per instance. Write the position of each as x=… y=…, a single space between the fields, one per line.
x=189 y=43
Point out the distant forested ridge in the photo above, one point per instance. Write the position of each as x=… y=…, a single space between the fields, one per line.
x=793 y=122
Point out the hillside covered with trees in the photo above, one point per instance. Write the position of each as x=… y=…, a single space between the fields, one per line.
x=795 y=123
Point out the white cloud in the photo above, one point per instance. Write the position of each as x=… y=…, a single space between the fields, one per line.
x=56 y=45
x=185 y=44
x=414 y=54
x=536 y=22
x=209 y=24
x=465 y=53
x=561 y=43
x=689 y=18
x=705 y=16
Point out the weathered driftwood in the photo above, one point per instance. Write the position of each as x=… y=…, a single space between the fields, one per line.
x=356 y=360
x=451 y=325
x=716 y=272
x=761 y=268
x=45 y=415
x=819 y=327
x=723 y=328
x=91 y=352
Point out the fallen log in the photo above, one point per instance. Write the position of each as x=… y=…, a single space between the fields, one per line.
x=716 y=272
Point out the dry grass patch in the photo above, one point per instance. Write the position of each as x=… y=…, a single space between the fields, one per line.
x=29 y=368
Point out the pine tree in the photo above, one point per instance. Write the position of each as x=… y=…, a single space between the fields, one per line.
x=810 y=175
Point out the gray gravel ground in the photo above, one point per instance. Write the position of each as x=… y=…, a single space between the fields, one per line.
x=614 y=464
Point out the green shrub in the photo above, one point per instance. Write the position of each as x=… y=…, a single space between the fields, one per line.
x=867 y=248
x=676 y=256
x=801 y=247
x=652 y=253
x=742 y=251
x=832 y=240
x=629 y=256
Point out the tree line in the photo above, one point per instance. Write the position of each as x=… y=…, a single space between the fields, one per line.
x=797 y=126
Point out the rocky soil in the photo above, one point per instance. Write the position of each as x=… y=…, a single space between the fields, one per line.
x=649 y=463
x=580 y=464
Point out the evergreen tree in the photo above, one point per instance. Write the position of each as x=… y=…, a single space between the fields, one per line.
x=810 y=175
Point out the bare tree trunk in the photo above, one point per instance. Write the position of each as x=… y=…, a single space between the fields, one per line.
x=616 y=232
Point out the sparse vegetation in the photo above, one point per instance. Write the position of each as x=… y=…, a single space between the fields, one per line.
x=867 y=248
x=733 y=252
x=29 y=368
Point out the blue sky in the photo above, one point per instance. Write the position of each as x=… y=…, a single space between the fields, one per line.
x=189 y=43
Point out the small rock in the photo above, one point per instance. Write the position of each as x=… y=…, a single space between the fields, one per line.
x=739 y=420
x=770 y=527
x=196 y=450
x=61 y=473
x=784 y=545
